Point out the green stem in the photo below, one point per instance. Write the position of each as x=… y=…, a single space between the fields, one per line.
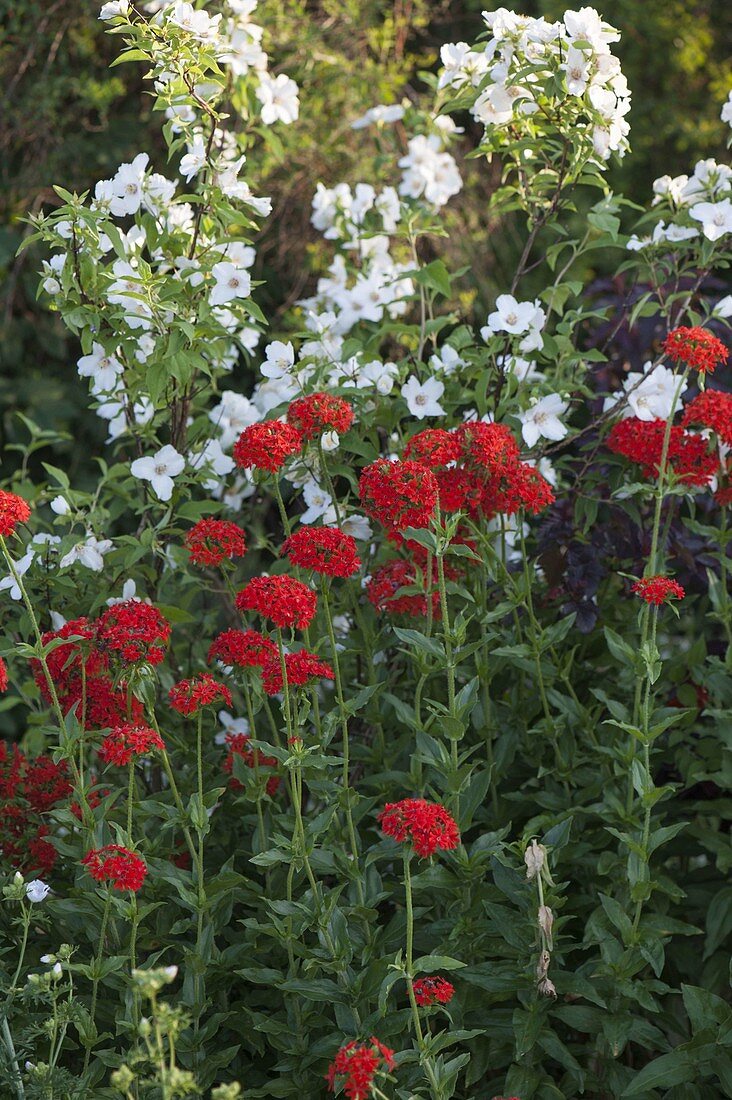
x=10 y=1047
x=97 y=967
x=425 y=1061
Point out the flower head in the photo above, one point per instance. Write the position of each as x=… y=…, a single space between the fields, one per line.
x=190 y=696
x=325 y=550
x=242 y=648
x=13 y=510
x=160 y=469
x=698 y=348
x=384 y=590
x=434 y=448
x=267 y=445
x=133 y=631
x=301 y=669
x=658 y=590
x=129 y=742
x=431 y=991
x=426 y=825
x=120 y=867
x=318 y=413
x=211 y=541
x=712 y=409
x=641 y=441
x=3 y=676
x=398 y=494
x=283 y=600
x=358 y=1064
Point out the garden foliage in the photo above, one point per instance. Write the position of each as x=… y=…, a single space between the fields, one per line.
x=375 y=720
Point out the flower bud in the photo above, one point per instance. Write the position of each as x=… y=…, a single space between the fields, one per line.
x=546 y=922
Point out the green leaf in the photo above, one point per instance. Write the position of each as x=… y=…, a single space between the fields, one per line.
x=675 y=1068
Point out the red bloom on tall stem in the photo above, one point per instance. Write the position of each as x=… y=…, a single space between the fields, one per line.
x=129 y=742
x=190 y=696
x=658 y=590
x=318 y=413
x=120 y=867
x=239 y=747
x=383 y=590
x=696 y=347
x=689 y=457
x=13 y=510
x=398 y=494
x=712 y=409
x=3 y=676
x=283 y=600
x=489 y=446
x=29 y=788
x=211 y=541
x=242 y=648
x=301 y=668
x=358 y=1065
x=133 y=631
x=324 y=550
x=267 y=445
x=434 y=448
x=426 y=825
x=433 y=991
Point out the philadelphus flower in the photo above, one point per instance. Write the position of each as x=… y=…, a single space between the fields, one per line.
x=542 y=419
x=715 y=218
x=379 y=116
x=114 y=8
x=513 y=317
x=230 y=282
x=89 y=553
x=37 y=890
x=104 y=369
x=200 y=24
x=650 y=393
x=278 y=96
x=726 y=114
x=126 y=187
x=159 y=470
x=423 y=398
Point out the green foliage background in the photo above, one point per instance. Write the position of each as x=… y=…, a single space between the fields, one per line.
x=67 y=118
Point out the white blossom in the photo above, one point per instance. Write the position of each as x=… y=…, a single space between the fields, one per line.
x=423 y=398
x=542 y=420
x=159 y=469
x=89 y=553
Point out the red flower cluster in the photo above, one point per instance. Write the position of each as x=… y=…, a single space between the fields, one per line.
x=696 y=348
x=129 y=742
x=190 y=696
x=384 y=590
x=211 y=541
x=267 y=445
x=13 y=510
x=3 y=676
x=325 y=550
x=494 y=480
x=238 y=745
x=301 y=668
x=318 y=413
x=117 y=865
x=133 y=631
x=358 y=1064
x=282 y=600
x=242 y=648
x=28 y=790
x=658 y=590
x=79 y=662
x=433 y=447
x=433 y=991
x=428 y=825
x=712 y=409
x=642 y=441
x=398 y=494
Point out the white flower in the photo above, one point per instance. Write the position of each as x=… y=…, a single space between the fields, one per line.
x=103 y=368
x=577 y=67
x=511 y=316
x=194 y=160
x=716 y=218
x=60 y=506
x=126 y=187
x=231 y=282
x=358 y=527
x=542 y=419
x=330 y=441
x=232 y=415
x=423 y=398
x=279 y=359
x=114 y=8
x=380 y=115
x=51 y=271
x=22 y=565
x=231 y=725
x=319 y=503
x=447 y=360
x=159 y=470
x=726 y=115
x=651 y=393
x=200 y=24
x=525 y=370
x=723 y=307
x=278 y=96
x=37 y=890
x=129 y=592
x=89 y=553
x=57 y=970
